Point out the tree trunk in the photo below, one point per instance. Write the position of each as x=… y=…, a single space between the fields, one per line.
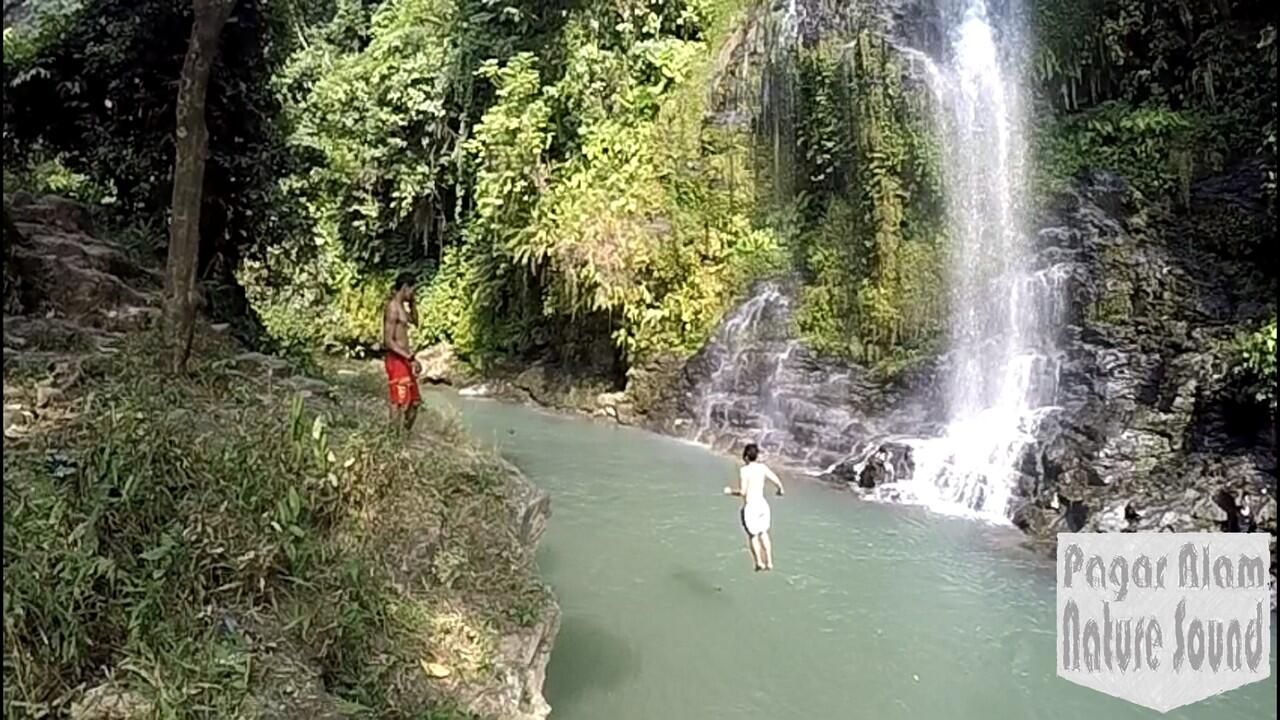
x=192 y=141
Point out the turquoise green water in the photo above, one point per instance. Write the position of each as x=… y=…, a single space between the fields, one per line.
x=873 y=611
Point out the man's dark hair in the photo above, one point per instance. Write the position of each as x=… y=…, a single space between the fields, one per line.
x=750 y=452
x=404 y=280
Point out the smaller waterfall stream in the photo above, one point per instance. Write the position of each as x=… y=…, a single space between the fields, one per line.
x=763 y=383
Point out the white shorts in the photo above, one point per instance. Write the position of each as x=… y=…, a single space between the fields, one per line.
x=755 y=518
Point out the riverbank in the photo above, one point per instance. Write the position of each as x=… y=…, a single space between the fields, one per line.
x=248 y=540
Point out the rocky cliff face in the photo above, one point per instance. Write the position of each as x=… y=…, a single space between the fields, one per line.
x=516 y=693
x=755 y=380
x=1154 y=434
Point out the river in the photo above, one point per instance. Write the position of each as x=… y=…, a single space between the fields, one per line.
x=873 y=611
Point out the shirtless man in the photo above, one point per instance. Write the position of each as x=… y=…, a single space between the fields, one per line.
x=402 y=369
x=755 y=509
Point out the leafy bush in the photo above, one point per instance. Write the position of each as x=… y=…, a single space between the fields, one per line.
x=545 y=169
x=446 y=306
x=1157 y=149
x=52 y=177
x=1196 y=54
x=1255 y=363
x=377 y=105
x=1153 y=90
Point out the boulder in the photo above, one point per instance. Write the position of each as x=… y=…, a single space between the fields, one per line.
x=534 y=382
x=1264 y=512
x=1115 y=518
x=58 y=212
x=439 y=364
x=846 y=471
x=655 y=390
x=617 y=406
x=519 y=671
x=874 y=472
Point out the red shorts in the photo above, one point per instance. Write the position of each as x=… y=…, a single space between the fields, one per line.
x=403 y=385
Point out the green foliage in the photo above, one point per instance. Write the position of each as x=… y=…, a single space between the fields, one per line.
x=646 y=223
x=1157 y=149
x=546 y=169
x=378 y=107
x=142 y=533
x=1181 y=81
x=872 y=240
x=327 y=303
x=24 y=41
x=93 y=90
x=1192 y=53
x=52 y=177
x=1255 y=363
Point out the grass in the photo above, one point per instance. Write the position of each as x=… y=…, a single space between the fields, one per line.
x=188 y=537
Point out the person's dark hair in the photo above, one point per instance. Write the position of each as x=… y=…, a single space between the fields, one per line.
x=404 y=280
x=750 y=452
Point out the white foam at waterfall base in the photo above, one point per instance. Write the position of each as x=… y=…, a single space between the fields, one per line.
x=972 y=470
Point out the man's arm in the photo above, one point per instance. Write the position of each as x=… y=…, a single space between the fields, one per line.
x=774 y=479
x=742 y=487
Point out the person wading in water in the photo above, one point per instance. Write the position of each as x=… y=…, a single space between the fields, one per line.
x=755 y=509
x=402 y=369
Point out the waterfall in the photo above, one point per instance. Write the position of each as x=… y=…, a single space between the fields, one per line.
x=959 y=448
x=1002 y=372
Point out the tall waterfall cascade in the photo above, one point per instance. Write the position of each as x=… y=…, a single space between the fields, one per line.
x=999 y=375
x=1002 y=372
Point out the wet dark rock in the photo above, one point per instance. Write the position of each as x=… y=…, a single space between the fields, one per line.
x=754 y=382
x=890 y=462
x=873 y=473
x=1152 y=436
x=845 y=471
x=1076 y=513
x=1026 y=485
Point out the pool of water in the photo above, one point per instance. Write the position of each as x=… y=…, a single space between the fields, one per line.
x=873 y=611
